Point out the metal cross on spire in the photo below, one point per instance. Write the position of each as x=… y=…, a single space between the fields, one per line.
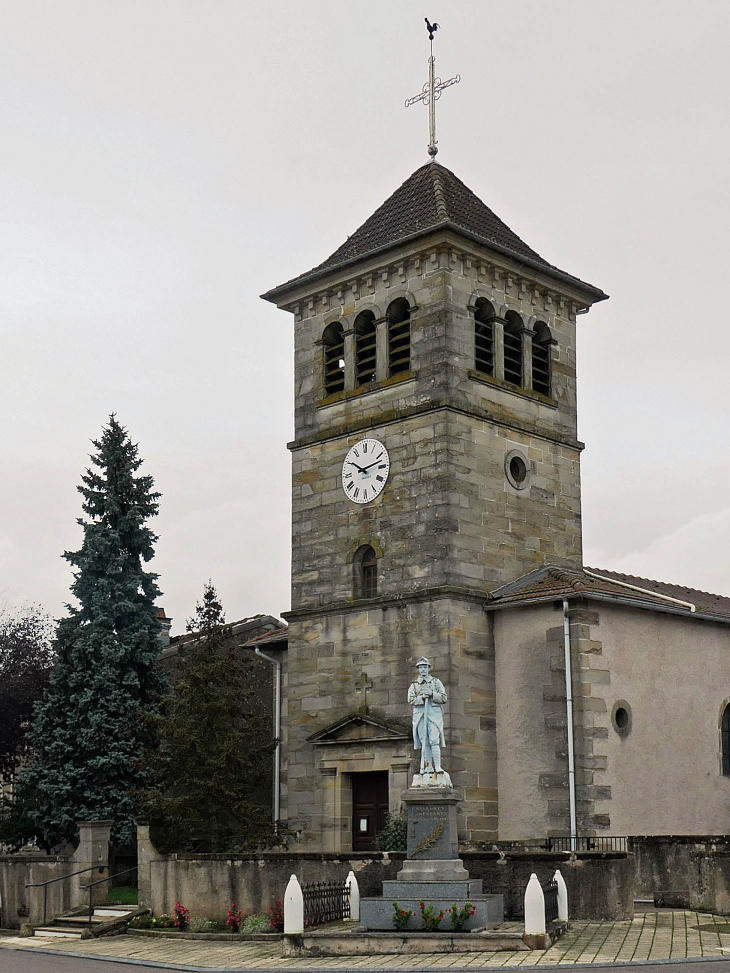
x=432 y=92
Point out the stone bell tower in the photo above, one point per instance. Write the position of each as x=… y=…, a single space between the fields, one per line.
x=435 y=458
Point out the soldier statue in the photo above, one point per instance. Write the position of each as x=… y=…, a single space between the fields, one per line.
x=427 y=697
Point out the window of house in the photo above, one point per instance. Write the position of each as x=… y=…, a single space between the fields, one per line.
x=513 y=328
x=399 y=336
x=334 y=359
x=365 y=350
x=366 y=572
x=725 y=740
x=541 y=358
x=484 y=337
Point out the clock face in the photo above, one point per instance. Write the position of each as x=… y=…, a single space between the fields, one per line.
x=365 y=470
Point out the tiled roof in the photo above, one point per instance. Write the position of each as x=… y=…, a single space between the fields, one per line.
x=279 y=635
x=556 y=581
x=430 y=198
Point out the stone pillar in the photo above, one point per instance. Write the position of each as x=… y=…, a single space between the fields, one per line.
x=331 y=824
x=498 y=325
x=145 y=854
x=381 y=349
x=349 y=356
x=92 y=853
x=527 y=336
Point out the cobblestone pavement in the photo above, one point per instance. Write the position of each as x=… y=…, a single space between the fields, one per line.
x=667 y=934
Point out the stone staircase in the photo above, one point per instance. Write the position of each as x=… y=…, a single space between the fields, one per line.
x=75 y=925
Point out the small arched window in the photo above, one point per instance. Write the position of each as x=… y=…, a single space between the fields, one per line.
x=334 y=359
x=484 y=336
x=399 y=336
x=366 y=572
x=513 y=328
x=365 y=348
x=725 y=740
x=541 y=358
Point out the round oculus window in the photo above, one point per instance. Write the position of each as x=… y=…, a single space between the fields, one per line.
x=517 y=469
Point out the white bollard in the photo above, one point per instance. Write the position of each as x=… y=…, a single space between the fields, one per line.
x=293 y=908
x=354 y=892
x=534 y=908
x=562 y=896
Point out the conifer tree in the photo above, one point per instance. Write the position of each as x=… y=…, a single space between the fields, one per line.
x=212 y=768
x=94 y=721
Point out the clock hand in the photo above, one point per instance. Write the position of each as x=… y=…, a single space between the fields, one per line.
x=359 y=468
x=369 y=465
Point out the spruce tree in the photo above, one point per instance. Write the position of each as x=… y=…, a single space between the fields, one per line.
x=94 y=721
x=211 y=772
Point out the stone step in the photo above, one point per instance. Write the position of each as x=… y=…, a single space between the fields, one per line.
x=65 y=932
x=113 y=913
x=82 y=920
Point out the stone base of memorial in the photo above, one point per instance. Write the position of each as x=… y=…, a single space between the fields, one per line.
x=433 y=873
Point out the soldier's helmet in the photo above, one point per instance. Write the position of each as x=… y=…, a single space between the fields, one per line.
x=423 y=661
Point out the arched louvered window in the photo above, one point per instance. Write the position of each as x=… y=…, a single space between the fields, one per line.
x=541 y=343
x=366 y=572
x=334 y=359
x=725 y=740
x=513 y=328
x=399 y=336
x=484 y=336
x=365 y=348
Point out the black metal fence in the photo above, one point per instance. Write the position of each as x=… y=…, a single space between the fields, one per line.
x=598 y=843
x=550 y=891
x=325 y=902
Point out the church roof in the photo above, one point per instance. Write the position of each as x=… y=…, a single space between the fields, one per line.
x=556 y=581
x=432 y=198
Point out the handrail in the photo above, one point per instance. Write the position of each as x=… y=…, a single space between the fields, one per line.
x=100 y=881
x=44 y=885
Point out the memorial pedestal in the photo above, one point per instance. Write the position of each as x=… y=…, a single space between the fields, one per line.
x=433 y=873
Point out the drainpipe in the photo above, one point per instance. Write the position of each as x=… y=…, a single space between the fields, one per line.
x=277 y=730
x=569 y=718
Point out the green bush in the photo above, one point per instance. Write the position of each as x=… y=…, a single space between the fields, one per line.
x=394 y=836
x=201 y=924
x=253 y=924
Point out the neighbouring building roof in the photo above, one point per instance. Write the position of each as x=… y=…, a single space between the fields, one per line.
x=432 y=198
x=556 y=581
x=242 y=631
x=278 y=638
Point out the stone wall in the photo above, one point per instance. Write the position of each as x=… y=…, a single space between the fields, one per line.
x=599 y=886
x=684 y=872
x=208 y=885
x=19 y=904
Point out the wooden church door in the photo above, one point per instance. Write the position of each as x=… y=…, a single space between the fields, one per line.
x=369 y=808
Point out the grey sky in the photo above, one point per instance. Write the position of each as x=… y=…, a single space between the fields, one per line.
x=163 y=163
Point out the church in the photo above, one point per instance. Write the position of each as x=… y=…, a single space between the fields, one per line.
x=436 y=511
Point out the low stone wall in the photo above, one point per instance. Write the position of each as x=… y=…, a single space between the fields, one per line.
x=208 y=884
x=20 y=904
x=683 y=871
x=600 y=886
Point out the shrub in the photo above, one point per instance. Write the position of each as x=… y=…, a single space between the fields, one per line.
x=394 y=836
x=400 y=916
x=276 y=916
x=180 y=917
x=253 y=924
x=235 y=917
x=431 y=922
x=201 y=924
x=459 y=916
